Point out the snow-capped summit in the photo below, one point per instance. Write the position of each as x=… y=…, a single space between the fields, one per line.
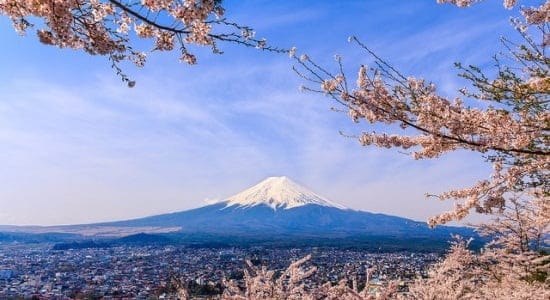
x=278 y=192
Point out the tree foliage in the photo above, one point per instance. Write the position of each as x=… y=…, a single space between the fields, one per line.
x=507 y=120
x=504 y=117
x=261 y=283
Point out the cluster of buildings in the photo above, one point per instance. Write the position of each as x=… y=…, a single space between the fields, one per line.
x=150 y=272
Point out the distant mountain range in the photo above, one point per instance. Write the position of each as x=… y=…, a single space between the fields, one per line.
x=276 y=210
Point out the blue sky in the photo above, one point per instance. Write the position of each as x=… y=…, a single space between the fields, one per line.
x=78 y=146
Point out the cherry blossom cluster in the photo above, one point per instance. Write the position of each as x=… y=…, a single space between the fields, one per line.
x=514 y=132
x=539 y=15
x=507 y=120
x=261 y=283
x=464 y=3
x=533 y=15
x=493 y=274
x=444 y=125
x=107 y=27
x=459 y=3
x=487 y=195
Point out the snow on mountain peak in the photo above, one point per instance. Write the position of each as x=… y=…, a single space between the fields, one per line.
x=278 y=192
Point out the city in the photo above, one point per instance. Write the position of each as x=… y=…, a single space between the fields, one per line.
x=148 y=272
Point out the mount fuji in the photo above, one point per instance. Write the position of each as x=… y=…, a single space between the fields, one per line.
x=273 y=211
x=279 y=208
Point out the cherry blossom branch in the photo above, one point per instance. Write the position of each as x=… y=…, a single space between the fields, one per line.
x=103 y=27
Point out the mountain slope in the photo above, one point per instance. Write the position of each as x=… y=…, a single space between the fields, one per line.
x=310 y=220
